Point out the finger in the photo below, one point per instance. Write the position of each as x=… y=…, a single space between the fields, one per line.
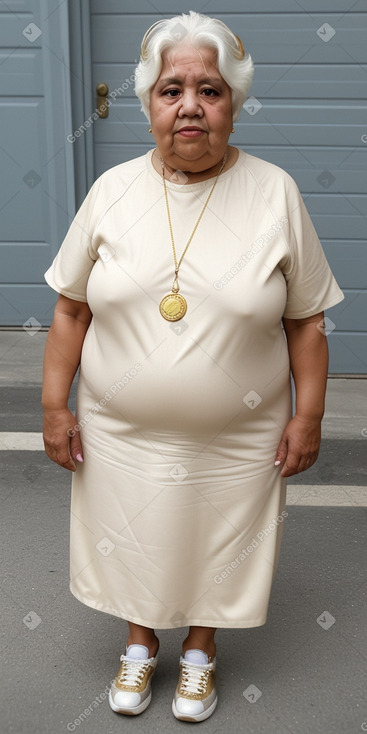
x=76 y=449
x=281 y=453
x=297 y=463
x=291 y=465
x=60 y=455
x=308 y=462
x=65 y=462
x=70 y=465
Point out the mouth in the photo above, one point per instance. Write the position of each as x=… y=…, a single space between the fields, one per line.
x=190 y=132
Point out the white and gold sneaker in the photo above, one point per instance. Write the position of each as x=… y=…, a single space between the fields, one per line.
x=131 y=693
x=195 y=696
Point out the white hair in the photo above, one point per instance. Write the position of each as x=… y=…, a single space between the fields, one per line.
x=234 y=64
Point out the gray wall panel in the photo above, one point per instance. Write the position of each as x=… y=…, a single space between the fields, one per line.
x=349 y=258
x=348 y=352
x=25 y=78
x=208 y=7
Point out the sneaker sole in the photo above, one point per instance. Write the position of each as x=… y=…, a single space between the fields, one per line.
x=130 y=711
x=194 y=717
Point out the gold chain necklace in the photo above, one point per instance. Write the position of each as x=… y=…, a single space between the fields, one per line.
x=174 y=306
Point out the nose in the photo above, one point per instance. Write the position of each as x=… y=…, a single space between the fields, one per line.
x=190 y=104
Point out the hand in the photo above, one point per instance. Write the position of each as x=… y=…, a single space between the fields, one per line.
x=299 y=446
x=62 y=442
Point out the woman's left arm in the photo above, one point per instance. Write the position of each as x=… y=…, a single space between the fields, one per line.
x=309 y=358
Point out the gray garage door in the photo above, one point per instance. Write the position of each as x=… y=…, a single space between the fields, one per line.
x=308 y=117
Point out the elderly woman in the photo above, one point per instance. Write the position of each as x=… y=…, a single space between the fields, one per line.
x=192 y=283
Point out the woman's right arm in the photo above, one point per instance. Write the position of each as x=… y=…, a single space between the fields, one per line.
x=61 y=360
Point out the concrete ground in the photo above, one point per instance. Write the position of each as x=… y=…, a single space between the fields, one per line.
x=303 y=672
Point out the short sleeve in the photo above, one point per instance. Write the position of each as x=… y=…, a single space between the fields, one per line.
x=311 y=286
x=70 y=270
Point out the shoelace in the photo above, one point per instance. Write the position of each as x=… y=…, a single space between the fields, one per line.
x=194 y=680
x=132 y=672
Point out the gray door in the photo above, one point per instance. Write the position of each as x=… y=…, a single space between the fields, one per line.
x=37 y=178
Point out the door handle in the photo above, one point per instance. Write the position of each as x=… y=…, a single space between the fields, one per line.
x=102 y=92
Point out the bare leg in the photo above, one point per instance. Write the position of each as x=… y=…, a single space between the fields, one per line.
x=201 y=638
x=139 y=635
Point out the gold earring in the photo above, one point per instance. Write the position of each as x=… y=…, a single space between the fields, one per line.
x=232 y=131
x=150 y=129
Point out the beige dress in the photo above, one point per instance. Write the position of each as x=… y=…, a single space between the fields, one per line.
x=177 y=512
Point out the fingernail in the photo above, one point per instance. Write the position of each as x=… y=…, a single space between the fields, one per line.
x=276 y=463
x=79 y=457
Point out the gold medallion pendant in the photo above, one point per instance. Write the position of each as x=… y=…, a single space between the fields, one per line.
x=173 y=307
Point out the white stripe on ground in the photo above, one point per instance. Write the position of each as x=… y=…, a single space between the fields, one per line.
x=331 y=495
x=21 y=441
x=313 y=495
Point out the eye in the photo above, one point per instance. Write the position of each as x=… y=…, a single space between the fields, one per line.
x=210 y=92
x=171 y=93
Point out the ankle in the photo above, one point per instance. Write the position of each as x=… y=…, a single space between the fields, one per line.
x=151 y=642
x=210 y=648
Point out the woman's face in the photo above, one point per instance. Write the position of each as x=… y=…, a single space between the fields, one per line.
x=191 y=109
